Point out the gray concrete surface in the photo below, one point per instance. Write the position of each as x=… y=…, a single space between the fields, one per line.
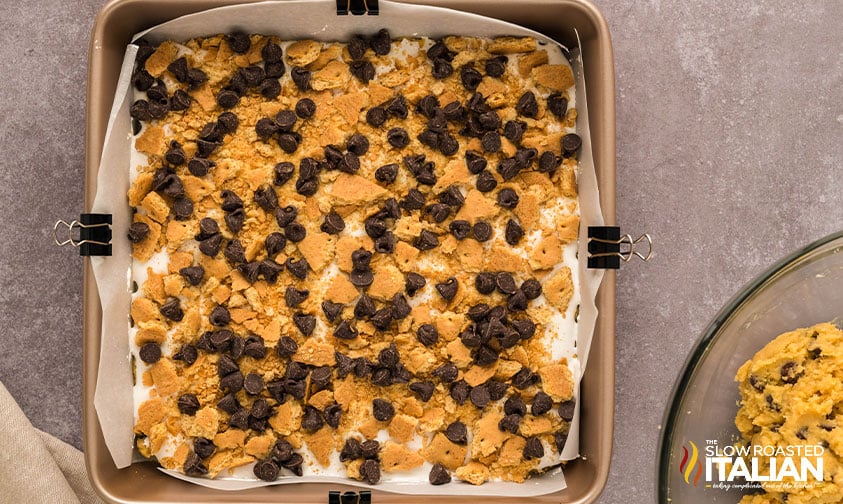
x=730 y=152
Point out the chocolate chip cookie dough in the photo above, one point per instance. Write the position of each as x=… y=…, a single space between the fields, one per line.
x=792 y=395
x=354 y=258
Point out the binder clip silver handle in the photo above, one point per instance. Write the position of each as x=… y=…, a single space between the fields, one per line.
x=94 y=234
x=357 y=7
x=607 y=247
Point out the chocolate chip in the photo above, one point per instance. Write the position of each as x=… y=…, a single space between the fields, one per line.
x=235 y=220
x=172 y=310
x=457 y=433
x=508 y=168
x=296 y=370
x=382 y=319
x=485 y=282
x=479 y=396
x=265 y=197
x=255 y=347
x=140 y=110
x=345 y=331
x=491 y=141
x=150 y=353
x=524 y=378
x=447 y=372
x=205 y=148
x=542 y=403
x=203 y=447
x=370 y=471
x=182 y=208
x=459 y=391
x=180 y=100
x=571 y=143
x=514 y=232
x=285 y=216
x=426 y=240
x=301 y=78
x=166 y=182
x=200 y=166
x=514 y=130
x=448 y=288
x=489 y=121
x=238 y=345
x=195 y=78
x=440 y=51
x=285 y=120
x=398 y=107
x=438 y=475
x=364 y=308
x=505 y=283
x=510 y=423
x=423 y=389
x=296 y=388
x=211 y=246
x=312 y=419
x=376 y=116
x=297 y=268
x=305 y=323
x=219 y=316
x=495 y=67
x=382 y=410
x=525 y=157
x=294 y=464
x=333 y=414
x=558 y=105
x=508 y=198
x=470 y=77
x=566 y=410
x=332 y=310
x=382 y=377
x=429 y=138
x=532 y=288
x=380 y=42
x=400 y=308
x=527 y=105
x=398 y=138
x=485 y=356
x=228 y=99
x=138 y=231
x=265 y=128
x=515 y=406
x=221 y=340
x=239 y=42
x=533 y=448
x=442 y=68
x=454 y=112
x=268 y=268
x=253 y=383
x=470 y=338
x=232 y=382
x=307 y=187
x=229 y=404
x=414 y=200
x=460 y=229
x=227 y=123
x=295 y=232
x=485 y=181
x=207 y=228
x=305 y=108
x=193 y=466
x=187 y=354
x=525 y=328
x=427 y=334
x=478 y=312
x=389 y=357
x=364 y=71
x=351 y=450
x=438 y=212
x=283 y=172
x=475 y=161
x=234 y=251
x=294 y=297
x=289 y=142
x=266 y=470
x=286 y=347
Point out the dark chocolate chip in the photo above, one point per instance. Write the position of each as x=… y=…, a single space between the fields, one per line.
x=479 y=396
x=514 y=130
x=398 y=138
x=211 y=245
x=333 y=414
x=295 y=232
x=414 y=200
x=382 y=410
x=208 y=227
x=253 y=383
x=381 y=42
x=234 y=251
x=305 y=108
x=485 y=356
x=489 y=121
x=400 y=308
x=376 y=116
x=532 y=288
x=470 y=77
x=332 y=310
x=351 y=450
x=571 y=143
x=229 y=404
x=239 y=42
x=235 y=220
x=219 y=316
x=382 y=319
x=558 y=105
x=525 y=328
x=508 y=168
x=200 y=166
x=182 y=208
x=268 y=268
x=274 y=70
x=266 y=470
x=253 y=75
x=357 y=47
x=205 y=148
x=364 y=308
x=525 y=157
x=427 y=334
x=228 y=99
x=442 y=68
x=457 y=433
x=533 y=448
x=297 y=268
x=333 y=223
x=475 y=162
x=364 y=71
x=345 y=331
x=138 y=231
x=448 y=145
x=180 y=100
x=542 y=403
x=187 y=354
x=142 y=80
x=413 y=282
x=283 y=172
x=203 y=447
x=307 y=187
x=221 y=340
x=296 y=370
x=294 y=464
x=193 y=466
x=438 y=475
x=454 y=112
x=485 y=282
x=172 y=310
x=230 y=201
x=510 y=423
x=265 y=197
x=447 y=372
x=286 y=347
x=426 y=240
x=195 y=78
x=226 y=365
x=305 y=323
x=495 y=67
x=232 y=382
x=470 y=338
x=286 y=215
x=265 y=128
x=514 y=232
x=459 y=391
x=527 y=105
x=204 y=342
x=150 y=353
x=270 y=88
x=486 y=181
x=254 y=347
x=448 y=288
x=505 y=283
x=389 y=357
x=382 y=377
x=238 y=345
x=424 y=390
x=429 y=138
x=294 y=297
x=460 y=229
x=345 y=365
x=312 y=419
x=491 y=141
x=524 y=378
x=515 y=406
x=438 y=212
x=289 y=142
x=398 y=107
x=370 y=471
x=478 y=312
x=508 y=198
x=285 y=119
x=566 y=410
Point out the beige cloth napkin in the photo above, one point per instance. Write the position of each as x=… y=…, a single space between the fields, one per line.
x=35 y=466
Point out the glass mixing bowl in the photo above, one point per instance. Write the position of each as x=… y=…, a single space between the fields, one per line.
x=799 y=291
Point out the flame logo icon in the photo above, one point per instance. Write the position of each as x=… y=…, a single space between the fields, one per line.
x=690 y=464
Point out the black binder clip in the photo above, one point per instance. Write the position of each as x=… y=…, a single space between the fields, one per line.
x=357 y=7
x=363 y=497
x=607 y=248
x=94 y=234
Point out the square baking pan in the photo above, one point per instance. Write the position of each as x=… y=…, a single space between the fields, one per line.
x=113 y=29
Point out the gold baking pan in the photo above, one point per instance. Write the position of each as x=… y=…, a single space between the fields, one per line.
x=113 y=29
